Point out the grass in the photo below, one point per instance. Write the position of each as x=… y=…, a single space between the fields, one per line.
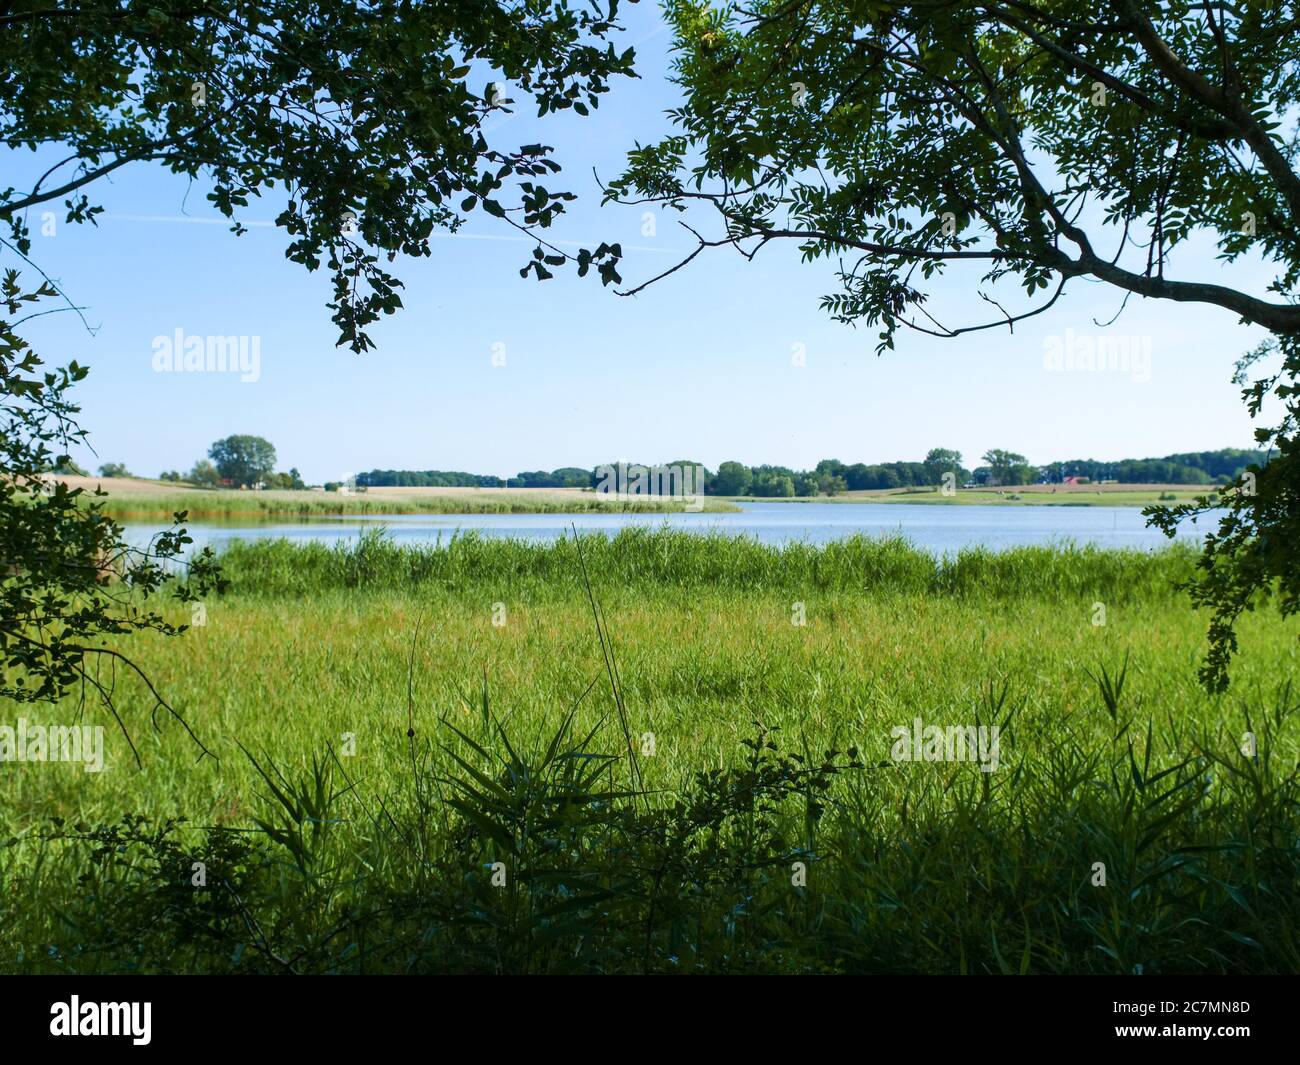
x=228 y=504
x=660 y=560
x=395 y=727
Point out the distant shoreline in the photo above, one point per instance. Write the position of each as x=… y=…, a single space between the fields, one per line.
x=1085 y=495
x=138 y=498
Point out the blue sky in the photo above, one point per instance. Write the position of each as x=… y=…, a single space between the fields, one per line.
x=699 y=366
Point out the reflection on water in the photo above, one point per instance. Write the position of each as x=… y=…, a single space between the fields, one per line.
x=941 y=529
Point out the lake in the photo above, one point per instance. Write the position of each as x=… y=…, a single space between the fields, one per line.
x=937 y=528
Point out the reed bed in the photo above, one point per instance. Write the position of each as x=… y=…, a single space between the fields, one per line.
x=224 y=504
x=664 y=558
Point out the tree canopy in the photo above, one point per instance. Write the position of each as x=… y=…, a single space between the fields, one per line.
x=901 y=139
x=243 y=460
x=369 y=118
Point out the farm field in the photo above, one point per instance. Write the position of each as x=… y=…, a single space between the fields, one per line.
x=1087 y=495
x=419 y=762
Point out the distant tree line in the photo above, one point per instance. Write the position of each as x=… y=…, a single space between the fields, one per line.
x=831 y=476
x=1000 y=468
x=565 y=477
x=248 y=461
x=1193 y=467
x=426 y=479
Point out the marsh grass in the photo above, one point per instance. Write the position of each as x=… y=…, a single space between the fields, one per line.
x=658 y=559
x=225 y=504
x=518 y=751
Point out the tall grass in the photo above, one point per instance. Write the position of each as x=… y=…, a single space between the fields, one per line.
x=160 y=506
x=668 y=558
x=494 y=854
x=672 y=775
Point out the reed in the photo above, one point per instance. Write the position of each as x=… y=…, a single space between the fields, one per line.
x=224 y=504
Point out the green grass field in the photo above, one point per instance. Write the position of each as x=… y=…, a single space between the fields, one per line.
x=532 y=821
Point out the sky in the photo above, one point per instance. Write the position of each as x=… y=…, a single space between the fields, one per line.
x=485 y=372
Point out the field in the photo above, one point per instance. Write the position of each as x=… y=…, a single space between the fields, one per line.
x=1058 y=495
x=139 y=500
x=426 y=760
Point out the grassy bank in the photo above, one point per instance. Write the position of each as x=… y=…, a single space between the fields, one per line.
x=1046 y=495
x=421 y=763
x=203 y=504
x=140 y=500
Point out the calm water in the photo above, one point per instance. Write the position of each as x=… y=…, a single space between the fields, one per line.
x=940 y=529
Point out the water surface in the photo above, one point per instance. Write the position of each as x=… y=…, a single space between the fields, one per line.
x=937 y=528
